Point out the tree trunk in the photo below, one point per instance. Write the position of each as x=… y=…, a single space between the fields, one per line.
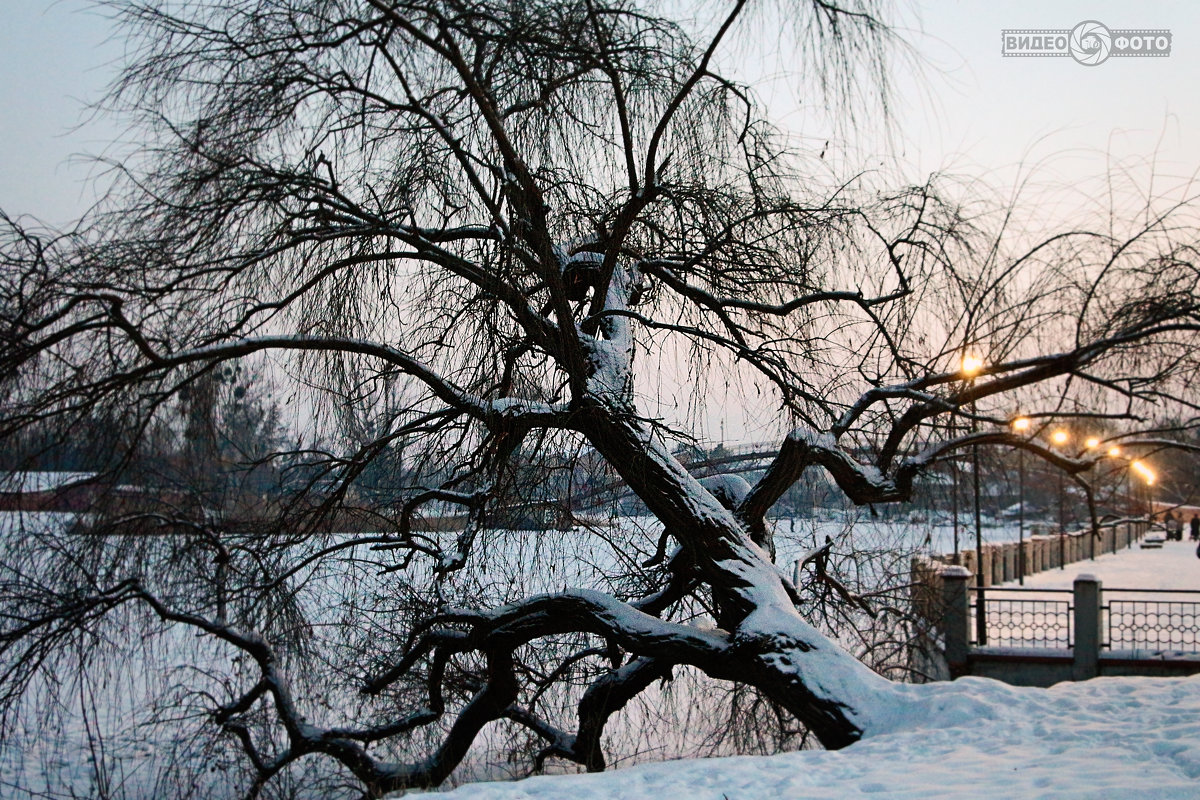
x=771 y=646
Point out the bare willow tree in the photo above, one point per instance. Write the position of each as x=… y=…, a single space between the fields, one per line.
x=478 y=234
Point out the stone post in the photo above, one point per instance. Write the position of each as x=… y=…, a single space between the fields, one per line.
x=1087 y=628
x=956 y=619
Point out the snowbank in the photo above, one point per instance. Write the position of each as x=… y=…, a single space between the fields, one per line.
x=1108 y=738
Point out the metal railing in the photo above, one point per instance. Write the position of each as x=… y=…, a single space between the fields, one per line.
x=1038 y=637
x=1023 y=622
x=1167 y=621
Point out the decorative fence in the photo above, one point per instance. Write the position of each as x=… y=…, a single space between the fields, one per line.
x=1043 y=636
x=1023 y=622
x=1164 y=621
x=1146 y=621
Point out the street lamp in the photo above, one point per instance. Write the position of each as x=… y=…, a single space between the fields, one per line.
x=1020 y=426
x=1148 y=475
x=1060 y=437
x=1091 y=443
x=971 y=366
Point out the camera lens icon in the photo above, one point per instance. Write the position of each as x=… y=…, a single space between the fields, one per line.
x=1090 y=43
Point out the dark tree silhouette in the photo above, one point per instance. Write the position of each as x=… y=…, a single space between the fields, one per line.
x=484 y=227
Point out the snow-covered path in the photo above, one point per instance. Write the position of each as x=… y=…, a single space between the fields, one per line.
x=1174 y=566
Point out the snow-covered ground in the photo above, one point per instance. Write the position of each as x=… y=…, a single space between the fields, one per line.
x=1107 y=739
x=1110 y=738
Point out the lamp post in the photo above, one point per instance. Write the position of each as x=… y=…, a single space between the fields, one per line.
x=954 y=500
x=1115 y=452
x=971 y=365
x=1149 y=476
x=1021 y=426
x=1060 y=437
x=1092 y=443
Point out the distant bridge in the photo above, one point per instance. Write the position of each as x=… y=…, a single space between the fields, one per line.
x=745 y=458
x=752 y=457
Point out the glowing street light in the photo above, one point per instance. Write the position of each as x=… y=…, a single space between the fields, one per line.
x=1148 y=475
x=1021 y=424
x=971 y=365
x=1114 y=451
x=1092 y=443
x=1060 y=437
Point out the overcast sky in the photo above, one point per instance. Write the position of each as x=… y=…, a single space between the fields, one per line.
x=973 y=112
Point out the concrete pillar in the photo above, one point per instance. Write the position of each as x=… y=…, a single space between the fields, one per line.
x=956 y=619
x=1010 y=562
x=1087 y=628
x=998 y=556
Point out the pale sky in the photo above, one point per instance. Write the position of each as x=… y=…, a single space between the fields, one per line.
x=972 y=112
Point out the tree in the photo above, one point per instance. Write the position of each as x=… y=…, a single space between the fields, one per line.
x=485 y=221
